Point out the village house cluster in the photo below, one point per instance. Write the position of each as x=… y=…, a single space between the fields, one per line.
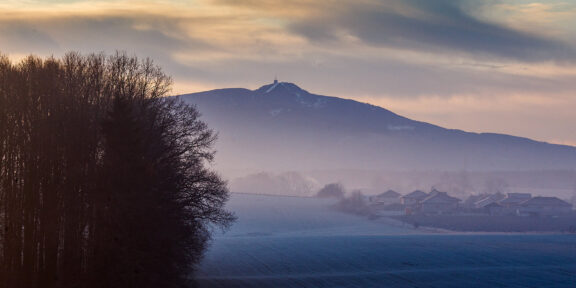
x=437 y=202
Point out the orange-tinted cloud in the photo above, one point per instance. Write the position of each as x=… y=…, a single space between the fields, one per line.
x=405 y=54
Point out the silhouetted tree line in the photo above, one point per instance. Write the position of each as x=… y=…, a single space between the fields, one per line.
x=103 y=181
x=332 y=190
x=355 y=204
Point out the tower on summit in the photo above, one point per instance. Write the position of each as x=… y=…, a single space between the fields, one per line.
x=275 y=80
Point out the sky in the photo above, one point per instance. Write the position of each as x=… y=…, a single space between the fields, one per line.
x=504 y=66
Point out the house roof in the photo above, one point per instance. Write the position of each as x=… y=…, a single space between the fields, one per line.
x=546 y=201
x=418 y=194
x=434 y=191
x=499 y=196
x=488 y=199
x=474 y=198
x=519 y=195
x=389 y=194
x=440 y=197
x=515 y=198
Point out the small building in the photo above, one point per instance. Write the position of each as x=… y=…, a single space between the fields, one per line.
x=472 y=199
x=494 y=209
x=386 y=198
x=514 y=199
x=414 y=198
x=486 y=200
x=439 y=203
x=511 y=202
x=544 y=206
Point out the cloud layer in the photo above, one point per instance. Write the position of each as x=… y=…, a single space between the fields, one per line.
x=402 y=54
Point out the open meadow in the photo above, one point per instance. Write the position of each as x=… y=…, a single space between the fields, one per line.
x=300 y=242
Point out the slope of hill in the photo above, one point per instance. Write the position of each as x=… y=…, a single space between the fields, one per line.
x=281 y=127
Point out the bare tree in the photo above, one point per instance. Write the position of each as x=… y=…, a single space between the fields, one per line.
x=103 y=180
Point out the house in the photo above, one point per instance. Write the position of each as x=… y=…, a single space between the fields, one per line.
x=514 y=199
x=486 y=200
x=386 y=198
x=414 y=198
x=469 y=202
x=511 y=202
x=544 y=206
x=439 y=203
x=494 y=209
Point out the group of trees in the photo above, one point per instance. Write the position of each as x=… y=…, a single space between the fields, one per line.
x=354 y=203
x=332 y=190
x=103 y=180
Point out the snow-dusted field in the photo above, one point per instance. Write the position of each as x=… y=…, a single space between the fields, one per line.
x=300 y=242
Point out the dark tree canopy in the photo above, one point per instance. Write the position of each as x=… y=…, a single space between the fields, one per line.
x=104 y=182
x=332 y=190
x=355 y=204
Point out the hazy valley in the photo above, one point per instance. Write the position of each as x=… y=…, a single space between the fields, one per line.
x=281 y=139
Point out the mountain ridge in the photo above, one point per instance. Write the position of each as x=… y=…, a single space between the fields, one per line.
x=319 y=131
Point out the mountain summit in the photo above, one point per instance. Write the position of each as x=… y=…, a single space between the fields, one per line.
x=280 y=127
x=279 y=88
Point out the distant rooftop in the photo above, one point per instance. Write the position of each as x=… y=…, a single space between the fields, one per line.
x=515 y=198
x=389 y=194
x=418 y=194
x=440 y=197
x=546 y=201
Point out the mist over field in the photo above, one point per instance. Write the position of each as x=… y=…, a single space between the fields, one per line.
x=282 y=139
x=322 y=188
x=302 y=242
x=261 y=143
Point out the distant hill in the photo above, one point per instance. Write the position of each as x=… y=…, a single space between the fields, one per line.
x=281 y=127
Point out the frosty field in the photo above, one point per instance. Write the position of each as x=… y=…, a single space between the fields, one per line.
x=300 y=242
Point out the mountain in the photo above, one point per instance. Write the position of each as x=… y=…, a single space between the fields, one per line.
x=281 y=127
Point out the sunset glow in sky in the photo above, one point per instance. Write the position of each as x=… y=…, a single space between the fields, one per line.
x=506 y=66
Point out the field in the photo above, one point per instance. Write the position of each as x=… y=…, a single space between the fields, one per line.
x=301 y=242
x=480 y=223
